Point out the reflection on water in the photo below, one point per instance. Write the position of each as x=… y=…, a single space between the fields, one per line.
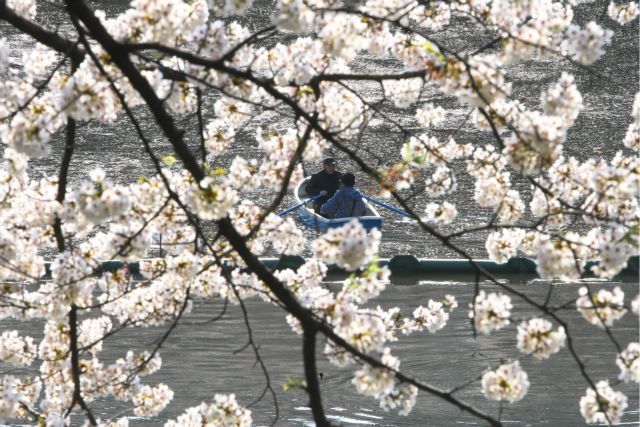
x=199 y=360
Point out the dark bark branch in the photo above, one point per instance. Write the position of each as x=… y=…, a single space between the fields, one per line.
x=306 y=317
x=75 y=366
x=44 y=36
x=63 y=174
x=203 y=151
x=311 y=375
x=121 y=58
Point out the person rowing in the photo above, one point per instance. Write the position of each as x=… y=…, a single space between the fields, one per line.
x=326 y=182
x=346 y=202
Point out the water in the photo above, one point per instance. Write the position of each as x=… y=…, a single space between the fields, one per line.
x=199 y=359
x=607 y=88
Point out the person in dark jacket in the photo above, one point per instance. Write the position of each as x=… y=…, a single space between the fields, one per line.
x=346 y=202
x=325 y=182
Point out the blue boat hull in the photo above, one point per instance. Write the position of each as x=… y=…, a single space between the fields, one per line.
x=323 y=224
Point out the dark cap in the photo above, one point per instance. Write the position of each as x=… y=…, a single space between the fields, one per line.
x=329 y=161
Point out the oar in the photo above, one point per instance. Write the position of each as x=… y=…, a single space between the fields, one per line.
x=299 y=205
x=384 y=205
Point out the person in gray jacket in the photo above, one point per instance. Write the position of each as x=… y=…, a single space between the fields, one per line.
x=346 y=202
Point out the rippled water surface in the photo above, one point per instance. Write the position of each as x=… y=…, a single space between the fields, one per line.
x=201 y=358
x=607 y=88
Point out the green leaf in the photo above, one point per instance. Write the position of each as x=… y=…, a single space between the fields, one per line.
x=142 y=180
x=168 y=160
x=294 y=383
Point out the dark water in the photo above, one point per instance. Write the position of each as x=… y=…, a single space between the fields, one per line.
x=607 y=88
x=199 y=361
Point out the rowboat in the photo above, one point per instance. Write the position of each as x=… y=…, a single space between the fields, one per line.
x=320 y=223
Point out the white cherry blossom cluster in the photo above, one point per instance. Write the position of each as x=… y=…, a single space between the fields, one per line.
x=629 y=363
x=403 y=397
x=429 y=115
x=342 y=35
x=223 y=411
x=217 y=136
x=99 y=199
x=586 y=45
x=380 y=383
x=283 y=233
x=604 y=406
x=232 y=112
x=635 y=305
x=29 y=130
x=17 y=350
x=613 y=185
x=537 y=32
x=210 y=200
x=299 y=15
x=614 y=245
x=243 y=174
x=537 y=338
x=24 y=8
x=377 y=382
x=479 y=82
x=509 y=382
x=294 y=63
x=433 y=317
x=503 y=245
x=150 y=401
x=601 y=308
x=161 y=21
x=490 y=312
x=493 y=185
x=17 y=394
x=363 y=287
x=434 y=16
x=424 y=151
x=403 y=92
x=561 y=258
x=86 y=94
x=37 y=61
x=279 y=148
x=349 y=246
x=441 y=214
x=563 y=99
x=623 y=13
x=416 y=51
x=108 y=221
x=366 y=331
x=341 y=111
x=441 y=182
x=632 y=138
x=537 y=143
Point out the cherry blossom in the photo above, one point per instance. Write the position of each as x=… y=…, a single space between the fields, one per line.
x=623 y=13
x=586 y=45
x=270 y=102
x=349 y=246
x=601 y=308
x=508 y=382
x=490 y=311
x=604 y=407
x=629 y=363
x=536 y=337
